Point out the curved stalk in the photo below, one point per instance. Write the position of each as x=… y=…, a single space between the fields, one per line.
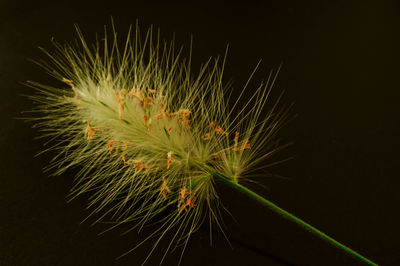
x=291 y=217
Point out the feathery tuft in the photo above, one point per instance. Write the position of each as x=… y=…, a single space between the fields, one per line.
x=145 y=133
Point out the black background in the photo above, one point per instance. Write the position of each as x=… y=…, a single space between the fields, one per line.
x=340 y=67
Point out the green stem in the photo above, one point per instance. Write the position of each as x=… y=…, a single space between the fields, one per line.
x=291 y=217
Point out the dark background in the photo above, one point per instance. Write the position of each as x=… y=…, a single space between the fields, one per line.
x=340 y=67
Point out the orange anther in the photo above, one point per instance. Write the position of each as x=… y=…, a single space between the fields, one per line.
x=158 y=116
x=75 y=96
x=120 y=96
x=170 y=159
x=235 y=147
x=183 y=115
x=185 y=111
x=164 y=189
x=219 y=130
x=152 y=91
x=213 y=125
x=183 y=206
x=148 y=100
x=141 y=94
x=164 y=194
x=75 y=92
x=190 y=202
x=207 y=136
x=137 y=94
x=245 y=145
x=110 y=144
x=167 y=115
x=236 y=137
x=182 y=193
x=123 y=158
x=68 y=81
x=132 y=93
x=140 y=166
x=91 y=130
x=147 y=122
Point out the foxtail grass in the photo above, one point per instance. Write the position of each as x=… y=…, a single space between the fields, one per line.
x=150 y=138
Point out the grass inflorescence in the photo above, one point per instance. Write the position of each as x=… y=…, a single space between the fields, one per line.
x=147 y=134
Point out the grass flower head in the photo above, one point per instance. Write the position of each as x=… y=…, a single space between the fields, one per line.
x=149 y=136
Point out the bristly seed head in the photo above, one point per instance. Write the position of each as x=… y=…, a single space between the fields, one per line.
x=149 y=131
